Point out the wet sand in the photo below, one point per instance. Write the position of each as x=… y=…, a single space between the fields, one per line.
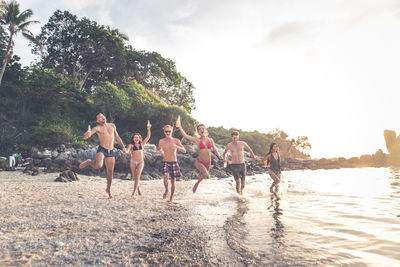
x=47 y=223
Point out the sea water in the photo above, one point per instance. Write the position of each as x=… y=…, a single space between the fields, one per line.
x=343 y=217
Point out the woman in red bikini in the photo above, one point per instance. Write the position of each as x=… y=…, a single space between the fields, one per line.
x=205 y=144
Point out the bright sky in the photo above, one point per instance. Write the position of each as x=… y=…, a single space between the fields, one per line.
x=324 y=69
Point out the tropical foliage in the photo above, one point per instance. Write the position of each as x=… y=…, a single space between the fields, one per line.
x=16 y=22
x=260 y=142
x=85 y=68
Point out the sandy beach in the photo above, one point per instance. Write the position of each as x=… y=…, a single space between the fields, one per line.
x=47 y=223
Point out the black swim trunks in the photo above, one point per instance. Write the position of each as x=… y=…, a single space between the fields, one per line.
x=106 y=152
x=238 y=170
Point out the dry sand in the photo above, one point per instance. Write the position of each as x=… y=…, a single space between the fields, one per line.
x=47 y=223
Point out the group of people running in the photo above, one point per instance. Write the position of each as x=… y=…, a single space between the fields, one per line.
x=167 y=148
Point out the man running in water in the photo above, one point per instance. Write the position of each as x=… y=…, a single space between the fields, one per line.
x=238 y=166
x=107 y=133
x=170 y=169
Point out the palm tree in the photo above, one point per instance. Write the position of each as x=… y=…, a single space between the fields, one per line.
x=16 y=22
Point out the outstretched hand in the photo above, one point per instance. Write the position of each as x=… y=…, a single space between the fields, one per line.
x=178 y=122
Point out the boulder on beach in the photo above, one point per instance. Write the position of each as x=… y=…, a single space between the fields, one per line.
x=67 y=176
x=31 y=170
x=3 y=163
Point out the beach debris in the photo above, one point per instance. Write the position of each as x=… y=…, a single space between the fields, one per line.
x=67 y=176
x=31 y=170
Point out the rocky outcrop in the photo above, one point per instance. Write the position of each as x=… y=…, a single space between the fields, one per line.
x=31 y=170
x=67 y=176
x=3 y=163
x=68 y=159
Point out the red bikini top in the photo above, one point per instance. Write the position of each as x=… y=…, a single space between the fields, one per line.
x=202 y=145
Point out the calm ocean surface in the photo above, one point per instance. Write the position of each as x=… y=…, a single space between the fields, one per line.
x=346 y=217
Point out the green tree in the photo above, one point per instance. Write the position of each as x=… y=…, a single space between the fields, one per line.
x=17 y=22
x=160 y=76
x=111 y=100
x=60 y=40
x=82 y=49
x=260 y=142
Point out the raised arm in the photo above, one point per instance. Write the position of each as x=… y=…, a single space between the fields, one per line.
x=179 y=146
x=89 y=132
x=118 y=139
x=148 y=135
x=216 y=150
x=283 y=153
x=188 y=137
x=246 y=146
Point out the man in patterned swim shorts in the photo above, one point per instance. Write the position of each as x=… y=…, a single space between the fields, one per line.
x=170 y=169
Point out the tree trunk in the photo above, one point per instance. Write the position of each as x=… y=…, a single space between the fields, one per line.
x=6 y=57
x=83 y=81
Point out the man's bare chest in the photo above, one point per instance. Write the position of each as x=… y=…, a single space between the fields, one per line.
x=105 y=131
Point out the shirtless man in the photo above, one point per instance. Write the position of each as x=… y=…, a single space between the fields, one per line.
x=107 y=133
x=238 y=166
x=170 y=169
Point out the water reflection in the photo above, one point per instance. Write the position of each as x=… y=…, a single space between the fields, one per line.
x=277 y=230
x=345 y=217
x=395 y=182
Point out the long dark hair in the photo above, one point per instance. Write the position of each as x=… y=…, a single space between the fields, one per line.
x=140 y=138
x=270 y=151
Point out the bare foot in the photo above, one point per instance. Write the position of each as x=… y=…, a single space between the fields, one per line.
x=165 y=195
x=109 y=193
x=133 y=196
x=138 y=190
x=195 y=187
x=170 y=199
x=84 y=164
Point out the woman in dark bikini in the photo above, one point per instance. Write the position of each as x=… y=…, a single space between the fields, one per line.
x=137 y=158
x=273 y=162
x=205 y=144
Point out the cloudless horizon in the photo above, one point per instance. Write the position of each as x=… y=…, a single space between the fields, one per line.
x=322 y=69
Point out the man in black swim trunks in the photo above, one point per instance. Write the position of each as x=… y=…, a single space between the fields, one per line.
x=238 y=166
x=107 y=133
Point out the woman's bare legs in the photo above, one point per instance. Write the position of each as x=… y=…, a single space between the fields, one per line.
x=204 y=172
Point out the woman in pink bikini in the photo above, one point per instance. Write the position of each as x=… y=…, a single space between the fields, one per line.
x=137 y=158
x=205 y=144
